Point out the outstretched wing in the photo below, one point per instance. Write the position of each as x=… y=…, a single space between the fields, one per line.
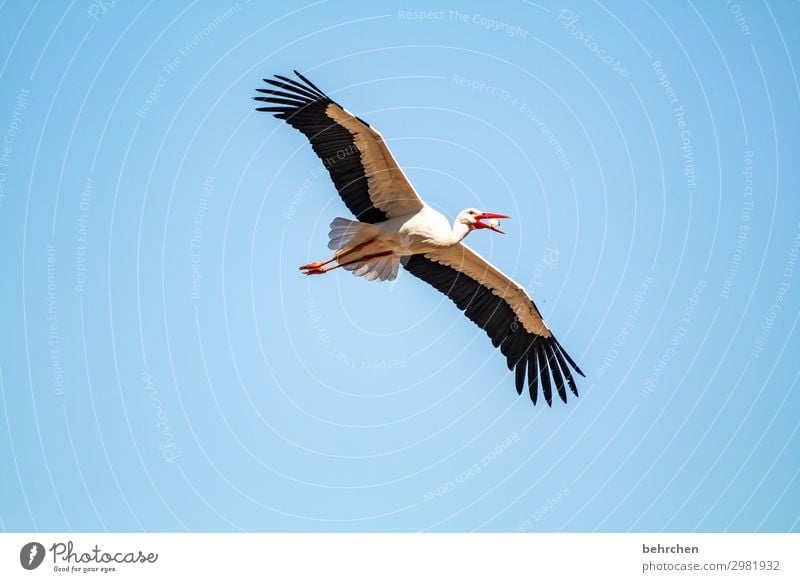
x=503 y=309
x=362 y=168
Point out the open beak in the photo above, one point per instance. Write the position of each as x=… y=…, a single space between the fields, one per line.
x=479 y=224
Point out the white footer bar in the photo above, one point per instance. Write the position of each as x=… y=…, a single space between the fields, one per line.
x=417 y=557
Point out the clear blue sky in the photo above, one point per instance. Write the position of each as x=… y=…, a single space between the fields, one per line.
x=164 y=365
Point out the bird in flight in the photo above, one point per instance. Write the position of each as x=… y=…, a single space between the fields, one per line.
x=395 y=226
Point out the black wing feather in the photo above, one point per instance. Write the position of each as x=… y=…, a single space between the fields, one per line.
x=303 y=106
x=519 y=376
x=558 y=379
x=567 y=372
x=544 y=376
x=293 y=86
x=526 y=353
x=533 y=376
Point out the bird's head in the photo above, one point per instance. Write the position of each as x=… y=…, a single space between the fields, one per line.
x=473 y=218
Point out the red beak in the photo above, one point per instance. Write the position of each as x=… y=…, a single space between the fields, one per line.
x=479 y=224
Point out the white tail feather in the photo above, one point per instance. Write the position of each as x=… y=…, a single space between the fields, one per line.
x=346 y=233
x=381 y=269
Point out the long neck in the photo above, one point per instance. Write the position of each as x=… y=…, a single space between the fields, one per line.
x=460 y=230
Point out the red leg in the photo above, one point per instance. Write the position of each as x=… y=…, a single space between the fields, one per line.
x=317 y=264
x=320 y=270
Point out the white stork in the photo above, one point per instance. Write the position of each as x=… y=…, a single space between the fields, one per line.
x=395 y=226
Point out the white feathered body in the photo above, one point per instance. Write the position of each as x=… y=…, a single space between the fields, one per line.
x=419 y=232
